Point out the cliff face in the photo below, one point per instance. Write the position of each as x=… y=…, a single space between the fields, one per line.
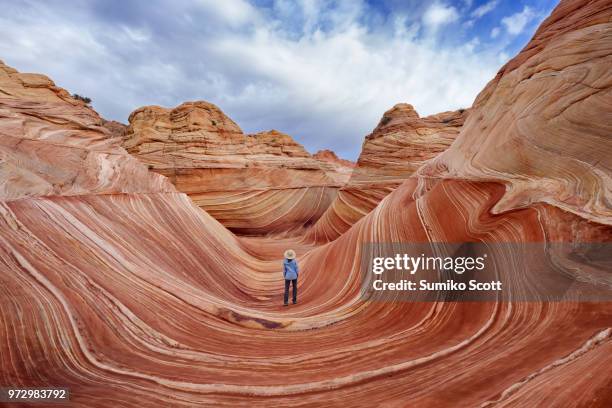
x=116 y=285
x=403 y=141
x=253 y=184
x=53 y=144
x=542 y=127
x=396 y=148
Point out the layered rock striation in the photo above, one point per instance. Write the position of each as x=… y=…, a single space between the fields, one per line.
x=397 y=147
x=253 y=184
x=53 y=144
x=118 y=286
x=542 y=126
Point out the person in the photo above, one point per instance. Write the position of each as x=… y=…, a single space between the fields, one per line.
x=290 y=273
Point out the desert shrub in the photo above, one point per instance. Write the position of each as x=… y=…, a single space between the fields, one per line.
x=82 y=98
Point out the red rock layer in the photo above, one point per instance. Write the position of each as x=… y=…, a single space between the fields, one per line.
x=137 y=298
x=398 y=146
x=52 y=144
x=117 y=129
x=331 y=157
x=542 y=127
x=252 y=184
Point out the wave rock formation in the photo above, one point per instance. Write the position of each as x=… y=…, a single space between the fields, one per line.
x=116 y=283
x=253 y=184
x=396 y=148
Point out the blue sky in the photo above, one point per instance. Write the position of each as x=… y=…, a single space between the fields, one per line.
x=321 y=71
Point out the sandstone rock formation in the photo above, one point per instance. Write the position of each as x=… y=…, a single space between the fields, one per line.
x=253 y=184
x=341 y=169
x=329 y=156
x=396 y=148
x=117 y=129
x=117 y=286
x=52 y=144
x=543 y=125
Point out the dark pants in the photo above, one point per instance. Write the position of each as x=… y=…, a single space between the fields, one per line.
x=287 y=282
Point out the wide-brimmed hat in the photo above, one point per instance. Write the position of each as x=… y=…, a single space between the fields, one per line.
x=290 y=254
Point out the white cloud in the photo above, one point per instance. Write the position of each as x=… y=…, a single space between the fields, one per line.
x=468 y=23
x=495 y=32
x=484 y=9
x=439 y=14
x=327 y=88
x=516 y=23
x=233 y=12
x=137 y=35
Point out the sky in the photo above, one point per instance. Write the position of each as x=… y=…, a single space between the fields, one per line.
x=322 y=71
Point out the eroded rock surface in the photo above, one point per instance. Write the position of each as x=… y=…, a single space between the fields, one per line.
x=117 y=286
x=542 y=127
x=52 y=144
x=253 y=184
x=396 y=148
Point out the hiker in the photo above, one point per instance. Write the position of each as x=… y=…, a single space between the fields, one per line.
x=290 y=273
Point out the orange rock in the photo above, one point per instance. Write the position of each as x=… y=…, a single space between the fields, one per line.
x=542 y=126
x=117 y=129
x=253 y=184
x=119 y=287
x=52 y=144
x=396 y=148
x=329 y=156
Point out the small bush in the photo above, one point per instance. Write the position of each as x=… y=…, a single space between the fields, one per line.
x=82 y=98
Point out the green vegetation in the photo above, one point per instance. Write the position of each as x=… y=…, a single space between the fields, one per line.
x=82 y=98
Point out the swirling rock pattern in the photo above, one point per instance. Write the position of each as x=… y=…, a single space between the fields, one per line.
x=549 y=110
x=252 y=184
x=52 y=144
x=118 y=286
x=396 y=148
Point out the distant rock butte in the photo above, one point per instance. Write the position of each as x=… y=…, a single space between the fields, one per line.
x=396 y=148
x=343 y=169
x=259 y=183
x=117 y=129
x=403 y=141
x=331 y=157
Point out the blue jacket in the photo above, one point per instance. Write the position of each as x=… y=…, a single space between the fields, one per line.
x=290 y=269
